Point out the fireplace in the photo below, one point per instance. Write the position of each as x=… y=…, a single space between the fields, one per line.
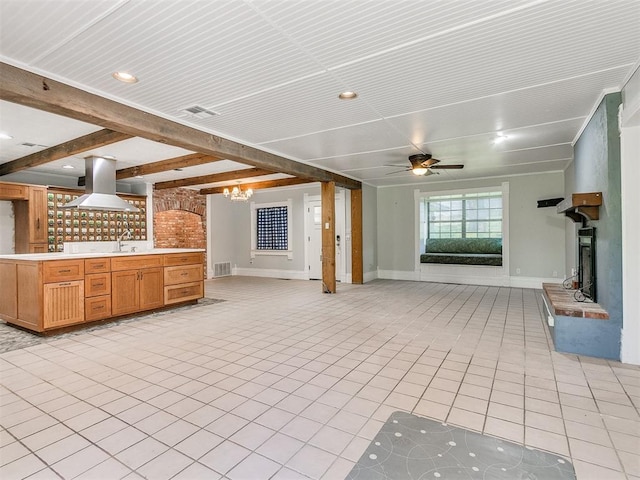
x=587 y=262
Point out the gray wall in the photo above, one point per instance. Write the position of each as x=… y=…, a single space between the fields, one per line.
x=536 y=235
x=369 y=230
x=597 y=169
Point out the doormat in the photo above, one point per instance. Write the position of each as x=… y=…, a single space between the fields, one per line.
x=14 y=338
x=408 y=447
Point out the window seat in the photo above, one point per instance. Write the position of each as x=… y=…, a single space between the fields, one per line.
x=463 y=251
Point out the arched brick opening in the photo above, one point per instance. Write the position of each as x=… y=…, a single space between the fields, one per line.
x=179 y=219
x=178 y=229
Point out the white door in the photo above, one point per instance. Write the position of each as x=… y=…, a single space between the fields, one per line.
x=314 y=239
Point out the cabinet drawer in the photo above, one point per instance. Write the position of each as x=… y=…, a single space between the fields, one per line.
x=97 y=308
x=97 y=265
x=97 y=284
x=135 y=262
x=183 y=293
x=63 y=270
x=186 y=274
x=11 y=191
x=172 y=259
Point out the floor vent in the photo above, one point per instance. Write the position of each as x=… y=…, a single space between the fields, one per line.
x=222 y=269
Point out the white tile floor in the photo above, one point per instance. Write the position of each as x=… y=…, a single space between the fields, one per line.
x=284 y=382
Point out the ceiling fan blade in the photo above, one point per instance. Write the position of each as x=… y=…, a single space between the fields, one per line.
x=449 y=167
x=396 y=165
x=398 y=171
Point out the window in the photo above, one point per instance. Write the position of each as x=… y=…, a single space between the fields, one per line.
x=466 y=215
x=271 y=229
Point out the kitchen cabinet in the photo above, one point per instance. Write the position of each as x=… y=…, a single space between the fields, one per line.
x=44 y=295
x=13 y=191
x=63 y=304
x=136 y=284
x=183 y=277
x=31 y=221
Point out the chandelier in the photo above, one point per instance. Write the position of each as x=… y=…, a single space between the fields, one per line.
x=237 y=195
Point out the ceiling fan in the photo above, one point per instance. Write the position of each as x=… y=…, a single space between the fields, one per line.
x=422 y=164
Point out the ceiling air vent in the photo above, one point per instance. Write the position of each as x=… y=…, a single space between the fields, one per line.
x=200 y=112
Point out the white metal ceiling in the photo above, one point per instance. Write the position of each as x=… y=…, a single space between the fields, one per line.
x=441 y=77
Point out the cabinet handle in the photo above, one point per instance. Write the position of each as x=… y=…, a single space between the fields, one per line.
x=184 y=274
x=38 y=223
x=100 y=307
x=65 y=271
x=98 y=284
x=64 y=284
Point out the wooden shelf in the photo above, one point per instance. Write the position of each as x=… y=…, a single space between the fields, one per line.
x=579 y=206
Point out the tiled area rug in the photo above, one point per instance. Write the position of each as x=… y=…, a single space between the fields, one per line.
x=13 y=338
x=408 y=447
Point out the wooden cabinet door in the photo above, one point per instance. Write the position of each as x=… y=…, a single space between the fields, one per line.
x=97 y=284
x=37 y=215
x=151 y=288
x=63 y=304
x=125 y=292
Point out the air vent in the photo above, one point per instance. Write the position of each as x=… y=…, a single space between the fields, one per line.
x=222 y=269
x=200 y=112
x=31 y=145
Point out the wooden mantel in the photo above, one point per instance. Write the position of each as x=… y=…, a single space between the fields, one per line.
x=579 y=206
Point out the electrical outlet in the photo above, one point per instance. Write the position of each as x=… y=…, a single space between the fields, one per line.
x=555 y=274
x=518 y=271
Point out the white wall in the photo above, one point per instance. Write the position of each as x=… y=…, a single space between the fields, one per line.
x=630 y=173
x=7 y=228
x=536 y=235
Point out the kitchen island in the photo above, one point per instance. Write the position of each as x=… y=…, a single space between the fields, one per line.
x=46 y=292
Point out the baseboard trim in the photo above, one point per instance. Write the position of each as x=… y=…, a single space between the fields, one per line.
x=270 y=273
x=466 y=279
x=398 y=275
x=369 y=276
x=531 y=282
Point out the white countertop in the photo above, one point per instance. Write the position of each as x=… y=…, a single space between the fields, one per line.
x=37 y=257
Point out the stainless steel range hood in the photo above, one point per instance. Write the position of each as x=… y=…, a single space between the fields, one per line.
x=100 y=188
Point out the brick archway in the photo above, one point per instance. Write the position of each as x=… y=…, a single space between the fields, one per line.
x=179 y=219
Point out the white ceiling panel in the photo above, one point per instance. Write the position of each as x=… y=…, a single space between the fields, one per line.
x=32 y=28
x=515 y=51
x=350 y=139
x=290 y=110
x=439 y=76
x=336 y=36
x=28 y=125
x=566 y=99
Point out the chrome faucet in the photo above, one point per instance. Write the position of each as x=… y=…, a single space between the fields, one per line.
x=125 y=235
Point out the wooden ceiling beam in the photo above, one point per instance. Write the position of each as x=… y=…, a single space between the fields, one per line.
x=183 y=161
x=27 y=88
x=283 y=182
x=213 y=178
x=66 y=149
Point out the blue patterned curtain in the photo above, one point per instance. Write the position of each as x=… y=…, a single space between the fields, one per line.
x=272 y=228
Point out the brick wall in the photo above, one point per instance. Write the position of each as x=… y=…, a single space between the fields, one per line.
x=179 y=219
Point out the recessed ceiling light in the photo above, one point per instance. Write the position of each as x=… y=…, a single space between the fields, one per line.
x=125 y=77
x=5 y=136
x=347 y=95
x=68 y=167
x=500 y=138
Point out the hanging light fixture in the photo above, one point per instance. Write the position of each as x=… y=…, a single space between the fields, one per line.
x=237 y=195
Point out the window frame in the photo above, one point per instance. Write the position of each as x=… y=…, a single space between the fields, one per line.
x=254 y=230
x=419 y=225
x=463 y=222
